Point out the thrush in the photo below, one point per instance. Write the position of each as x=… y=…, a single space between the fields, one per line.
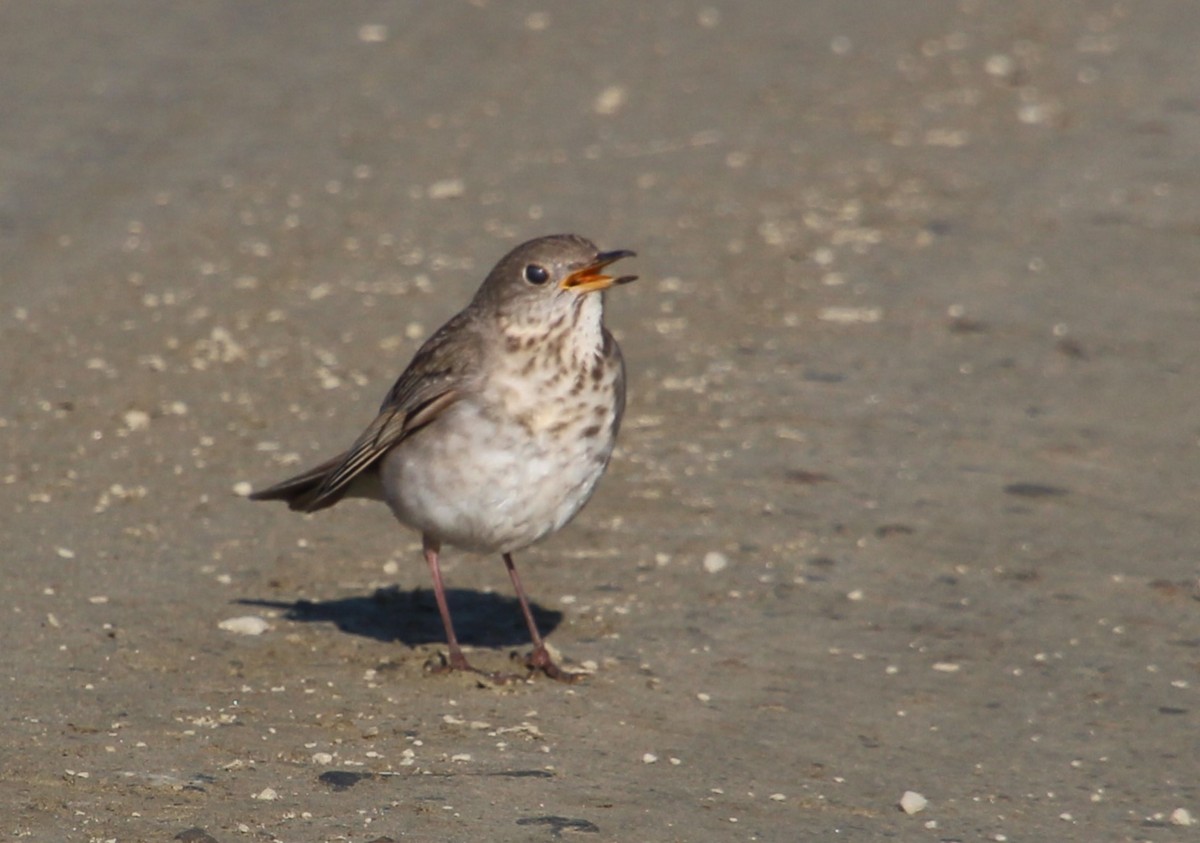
x=497 y=433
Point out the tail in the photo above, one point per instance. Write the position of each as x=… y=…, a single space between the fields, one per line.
x=303 y=492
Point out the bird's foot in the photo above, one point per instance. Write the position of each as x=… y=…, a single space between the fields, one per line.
x=539 y=660
x=456 y=662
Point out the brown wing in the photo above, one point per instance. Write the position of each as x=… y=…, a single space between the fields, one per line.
x=298 y=491
x=429 y=385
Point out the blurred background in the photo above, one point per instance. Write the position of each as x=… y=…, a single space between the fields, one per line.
x=906 y=495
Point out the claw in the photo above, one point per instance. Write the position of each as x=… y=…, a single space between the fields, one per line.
x=539 y=660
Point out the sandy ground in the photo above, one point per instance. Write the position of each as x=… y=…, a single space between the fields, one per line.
x=907 y=494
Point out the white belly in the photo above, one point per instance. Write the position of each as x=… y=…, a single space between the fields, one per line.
x=475 y=482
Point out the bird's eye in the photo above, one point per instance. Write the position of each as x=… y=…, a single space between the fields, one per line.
x=536 y=274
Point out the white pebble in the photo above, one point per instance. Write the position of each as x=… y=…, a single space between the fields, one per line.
x=242 y=489
x=267 y=794
x=372 y=33
x=610 y=100
x=649 y=758
x=850 y=315
x=1182 y=816
x=715 y=562
x=999 y=64
x=137 y=419
x=447 y=189
x=912 y=802
x=946 y=667
x=245 y=625
x=1032 y=113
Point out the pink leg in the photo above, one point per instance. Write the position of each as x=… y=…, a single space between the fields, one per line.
x=539 y=659
x=457 y=660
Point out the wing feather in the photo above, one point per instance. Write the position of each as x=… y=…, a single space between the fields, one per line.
x=431 y=383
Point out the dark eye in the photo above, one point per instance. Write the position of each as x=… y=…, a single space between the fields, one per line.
x=536 y=274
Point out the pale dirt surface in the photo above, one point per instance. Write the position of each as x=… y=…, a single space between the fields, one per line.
x=914 y=354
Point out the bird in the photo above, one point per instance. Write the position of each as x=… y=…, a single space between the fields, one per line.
x=501 y=426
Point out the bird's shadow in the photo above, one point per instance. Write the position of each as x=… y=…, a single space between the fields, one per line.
x=481 y=619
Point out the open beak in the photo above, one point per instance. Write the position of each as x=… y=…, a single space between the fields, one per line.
x=591 y=278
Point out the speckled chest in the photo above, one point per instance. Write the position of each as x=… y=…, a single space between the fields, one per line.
x=560 y=386
x=521 y=453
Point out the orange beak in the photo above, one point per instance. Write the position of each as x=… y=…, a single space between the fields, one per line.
x=590 y=278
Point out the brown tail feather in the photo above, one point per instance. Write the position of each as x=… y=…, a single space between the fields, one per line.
x=300 y=492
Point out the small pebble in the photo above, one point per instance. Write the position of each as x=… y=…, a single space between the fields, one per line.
x=649 y=758
x=242 y=489
x=372 y=33
x=610 y=100
x=447 y=189
x=999 y=64
x=137 y=419
x=267 y=794
x=245 y=625
x=1182 y=816
x=912 y=802
x=850 y=315
x=715 y=562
